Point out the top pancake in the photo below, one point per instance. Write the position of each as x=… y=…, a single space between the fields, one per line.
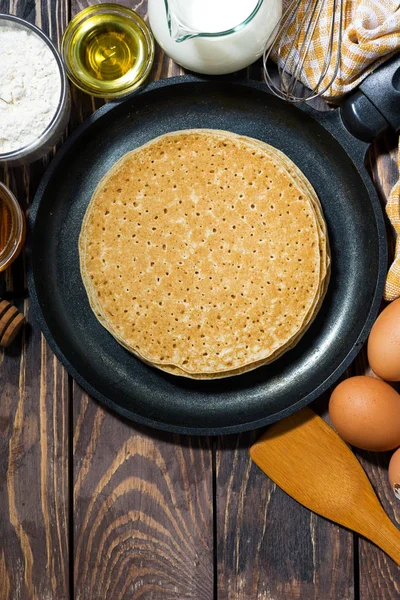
x=201 y=251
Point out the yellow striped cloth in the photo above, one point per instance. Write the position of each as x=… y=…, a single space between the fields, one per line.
x=370 y=35
x=392 y=287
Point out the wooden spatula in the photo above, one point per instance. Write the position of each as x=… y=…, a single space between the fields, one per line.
x=311 y=463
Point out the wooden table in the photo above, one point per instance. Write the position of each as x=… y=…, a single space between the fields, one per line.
x=93 y=507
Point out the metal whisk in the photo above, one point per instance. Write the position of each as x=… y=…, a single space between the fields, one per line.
x=292 y=46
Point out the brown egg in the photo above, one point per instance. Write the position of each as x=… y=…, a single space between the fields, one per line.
x=384 y=343
x=366 y=413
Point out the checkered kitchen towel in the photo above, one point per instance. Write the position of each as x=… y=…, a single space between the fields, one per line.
x=370 y=35
x=392 y=288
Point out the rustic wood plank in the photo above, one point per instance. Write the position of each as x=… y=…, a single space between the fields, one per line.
x=142 y=510
x=143 y=520
x=34 y=486
x=379 y=575
x=34 y=560
x=269 y=547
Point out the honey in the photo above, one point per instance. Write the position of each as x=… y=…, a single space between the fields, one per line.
x=5 y=225
x=108 y=50
x=12 y=228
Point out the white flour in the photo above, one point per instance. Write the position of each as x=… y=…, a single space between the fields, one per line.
x=30 y=87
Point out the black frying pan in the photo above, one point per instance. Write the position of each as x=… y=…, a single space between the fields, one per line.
x=331 y=159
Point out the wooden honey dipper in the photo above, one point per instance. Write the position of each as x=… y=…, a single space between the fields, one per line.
x=11 y=321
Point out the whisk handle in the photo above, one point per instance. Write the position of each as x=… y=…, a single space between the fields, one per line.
x=374 y=107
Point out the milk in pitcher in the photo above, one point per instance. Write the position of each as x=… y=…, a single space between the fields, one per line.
x=214 y=36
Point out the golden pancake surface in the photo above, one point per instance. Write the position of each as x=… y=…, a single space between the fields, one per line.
x=205 y=253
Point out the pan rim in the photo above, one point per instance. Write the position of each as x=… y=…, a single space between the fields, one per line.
x=351 y=148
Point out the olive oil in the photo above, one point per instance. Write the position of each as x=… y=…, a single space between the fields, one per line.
x=108 y=50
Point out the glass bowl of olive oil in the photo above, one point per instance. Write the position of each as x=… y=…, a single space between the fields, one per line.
x=108 y=50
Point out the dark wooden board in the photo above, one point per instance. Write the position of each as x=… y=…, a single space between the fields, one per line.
x=34 y=555
x=34 y=416
x=142 y=510
x=379 y=575
x=268 y=545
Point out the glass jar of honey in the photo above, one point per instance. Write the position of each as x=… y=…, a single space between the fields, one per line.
x=12 y=227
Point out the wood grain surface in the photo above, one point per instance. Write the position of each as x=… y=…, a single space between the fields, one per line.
x=379 y=576
x=95 y=508
x=143 y=510
x=270 y=547
x=34 y=554
x=34 y=417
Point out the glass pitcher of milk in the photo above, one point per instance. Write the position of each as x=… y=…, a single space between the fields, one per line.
x=213 y=36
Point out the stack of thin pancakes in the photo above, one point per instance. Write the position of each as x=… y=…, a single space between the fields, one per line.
x=205 y=253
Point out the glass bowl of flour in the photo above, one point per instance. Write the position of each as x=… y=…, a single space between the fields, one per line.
x=34 y=93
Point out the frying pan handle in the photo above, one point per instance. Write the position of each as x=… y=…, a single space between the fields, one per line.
x=375 y=106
